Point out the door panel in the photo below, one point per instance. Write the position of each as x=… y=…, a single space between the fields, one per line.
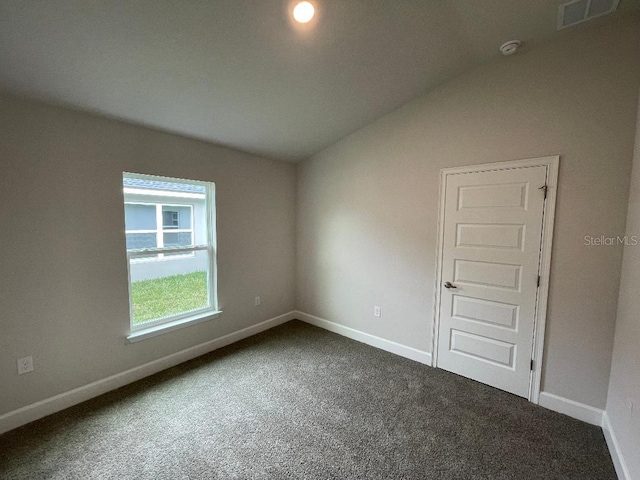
x=490 y=236
x=491 y=252
x=487 y=274
x=485 y=311
x=483 y=348
x=506 y=195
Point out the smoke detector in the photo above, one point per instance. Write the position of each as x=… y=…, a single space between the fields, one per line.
x=510 y=47
x=578 y=11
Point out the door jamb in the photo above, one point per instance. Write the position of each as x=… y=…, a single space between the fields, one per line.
x=544 y=266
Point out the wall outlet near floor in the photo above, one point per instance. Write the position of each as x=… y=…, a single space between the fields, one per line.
x=630 y=408
x=257 y=301
x=25 y=365
x=377 y=312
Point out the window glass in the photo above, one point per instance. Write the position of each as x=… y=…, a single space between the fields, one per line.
x=136 y=241
x=180 y=286
x=163 y=215
x=139 y=217
x=181 y=239
x=169 y=218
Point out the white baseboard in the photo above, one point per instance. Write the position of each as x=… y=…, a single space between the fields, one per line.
x=614 y=449
x=574 y=409
x=29 y=413
x=393 y=347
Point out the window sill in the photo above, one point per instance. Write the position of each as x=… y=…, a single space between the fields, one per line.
x=156 y=330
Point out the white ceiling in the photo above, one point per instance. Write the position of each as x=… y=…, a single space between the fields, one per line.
x=238 y=73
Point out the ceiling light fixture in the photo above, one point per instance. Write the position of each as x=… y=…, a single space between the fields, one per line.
x=510 y=47
x=303 y=12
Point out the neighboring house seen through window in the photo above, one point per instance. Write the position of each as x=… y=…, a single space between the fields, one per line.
x=170 y=238
x=141 y=224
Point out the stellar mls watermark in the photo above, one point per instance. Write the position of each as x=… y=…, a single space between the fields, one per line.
x=604 y=241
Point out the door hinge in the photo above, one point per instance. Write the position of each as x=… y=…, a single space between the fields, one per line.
x=544 y=188
x=532 y=364
x=538 y=280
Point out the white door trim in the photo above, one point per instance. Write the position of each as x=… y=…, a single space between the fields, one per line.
x=552 y=164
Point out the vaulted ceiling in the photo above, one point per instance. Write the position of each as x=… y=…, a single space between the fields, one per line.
x=240 y=73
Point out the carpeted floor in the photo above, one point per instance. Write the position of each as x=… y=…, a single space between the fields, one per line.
x=300 y=402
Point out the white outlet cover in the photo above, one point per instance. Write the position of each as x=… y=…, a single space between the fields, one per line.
x=377 y=312
x=258 y=301
x=25 y=365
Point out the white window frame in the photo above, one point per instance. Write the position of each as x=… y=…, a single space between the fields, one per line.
x=160 y=230
x=173 y=322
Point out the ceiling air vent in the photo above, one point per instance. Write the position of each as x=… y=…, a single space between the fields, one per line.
x=579 y=11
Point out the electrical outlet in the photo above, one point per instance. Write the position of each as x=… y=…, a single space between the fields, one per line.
x=25 y=365
x=630 y=408
x=257 y=301
x=377 y=312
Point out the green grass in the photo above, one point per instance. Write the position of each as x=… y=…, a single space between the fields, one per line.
x=161 y=297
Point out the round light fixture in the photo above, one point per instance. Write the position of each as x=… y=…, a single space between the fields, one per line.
x=303 y=12
x=510 y=47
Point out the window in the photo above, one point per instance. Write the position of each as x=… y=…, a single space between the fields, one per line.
x=170 y=240
x=141 y=225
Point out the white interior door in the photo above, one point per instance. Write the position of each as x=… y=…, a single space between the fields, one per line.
x=490 y=265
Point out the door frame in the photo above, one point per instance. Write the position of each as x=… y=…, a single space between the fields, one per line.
x=544 y=266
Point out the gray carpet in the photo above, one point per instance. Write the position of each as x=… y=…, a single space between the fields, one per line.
x=299 y=402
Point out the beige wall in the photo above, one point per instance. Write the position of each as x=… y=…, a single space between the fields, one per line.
x=625 y=368
x=367 y=206
x=63 y=271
